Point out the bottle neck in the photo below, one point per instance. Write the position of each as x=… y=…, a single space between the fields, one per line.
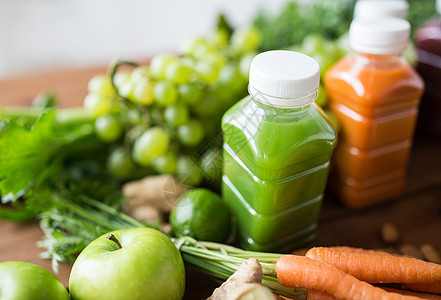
x=282 y=109
x=275 y=103
x=380 y=57
x=380 y=60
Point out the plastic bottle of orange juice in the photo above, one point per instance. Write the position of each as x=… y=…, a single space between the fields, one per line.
x=375 y=93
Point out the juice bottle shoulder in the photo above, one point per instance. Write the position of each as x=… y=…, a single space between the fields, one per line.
x=270 y=133
x=374 y=85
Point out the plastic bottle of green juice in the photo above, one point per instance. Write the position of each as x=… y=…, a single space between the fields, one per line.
x=277 y=147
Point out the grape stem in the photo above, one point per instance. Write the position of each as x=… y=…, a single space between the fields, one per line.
x=114 y=68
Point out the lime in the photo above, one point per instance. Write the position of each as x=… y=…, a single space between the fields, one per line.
x=201 y=214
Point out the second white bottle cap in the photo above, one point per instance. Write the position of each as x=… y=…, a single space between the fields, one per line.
x=379 y=36
x=373 y=9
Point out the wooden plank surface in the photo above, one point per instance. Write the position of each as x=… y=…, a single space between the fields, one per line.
x=417 y=213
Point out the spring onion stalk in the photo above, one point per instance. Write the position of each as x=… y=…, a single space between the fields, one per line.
x=221 y=261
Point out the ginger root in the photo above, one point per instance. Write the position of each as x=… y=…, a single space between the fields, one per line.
x=244 y=284
x=161 y=192
x=147 y=213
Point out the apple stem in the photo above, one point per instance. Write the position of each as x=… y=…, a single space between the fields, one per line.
x=112 y=238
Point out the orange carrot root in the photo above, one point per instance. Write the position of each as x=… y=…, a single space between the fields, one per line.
x=410 y=293
x=373 y=267
x=301 y=271
x=359 y=250
x=433 y=287
x=318 y=295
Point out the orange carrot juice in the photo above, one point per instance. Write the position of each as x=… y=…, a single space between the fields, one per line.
x=375 y=94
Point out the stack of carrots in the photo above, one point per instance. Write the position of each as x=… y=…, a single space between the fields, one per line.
x=348 y=273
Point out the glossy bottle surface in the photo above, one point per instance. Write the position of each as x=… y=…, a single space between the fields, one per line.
x=376 y=99
x=276 y=162
x=428 y=41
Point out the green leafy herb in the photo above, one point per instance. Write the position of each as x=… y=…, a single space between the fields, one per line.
x=24 y=155
x=328 y=18
x=296 y=20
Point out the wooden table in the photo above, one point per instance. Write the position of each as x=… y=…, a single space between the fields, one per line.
x=417 y=213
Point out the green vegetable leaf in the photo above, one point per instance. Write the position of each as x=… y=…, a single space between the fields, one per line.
x=24 y=155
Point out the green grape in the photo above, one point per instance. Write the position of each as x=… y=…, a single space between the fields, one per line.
x=230 y=77
x=178 y=72
x=176 y=115
x=343 y=44
x=134 y=117
x=245 y=63
x=143 y=92
x=126 y=89
x=219 y=38
x=108 y=128
x=165 y=164
x=189 y=171
x=152 y=143
x=211 y=106
x=246 y=39
x=120 y=164
x=98 y=104
x=190 y=93
x=165 y=93
x=223 y=97
x=140 y=73
x=198 y=47
x=211 y=125
x=121 y=77
x=188 y=61
x=191 y=134
x=217 y=58
x=101 y=84
x=207 y=70
x=321 y=97
x=324 y=61
x=313 y=43
x=159 y=63
x=333 y=51
x=191 y=44
x=211 y=164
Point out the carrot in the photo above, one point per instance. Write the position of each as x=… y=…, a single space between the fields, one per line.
x=373 y=267
x=318 y=295
x=359 y=250
x=301 y=271
x=433 y=287
x=410 y=293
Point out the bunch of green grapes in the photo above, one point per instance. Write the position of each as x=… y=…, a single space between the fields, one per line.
x=164 y=117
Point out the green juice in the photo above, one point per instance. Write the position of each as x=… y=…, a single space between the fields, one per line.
x=276 y=162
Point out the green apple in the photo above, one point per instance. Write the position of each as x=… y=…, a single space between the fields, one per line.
x=21 y=280
x=137 y=263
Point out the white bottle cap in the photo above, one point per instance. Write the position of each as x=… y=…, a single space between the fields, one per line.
x=284 y=78
x=379 y=36
x=374 y=9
